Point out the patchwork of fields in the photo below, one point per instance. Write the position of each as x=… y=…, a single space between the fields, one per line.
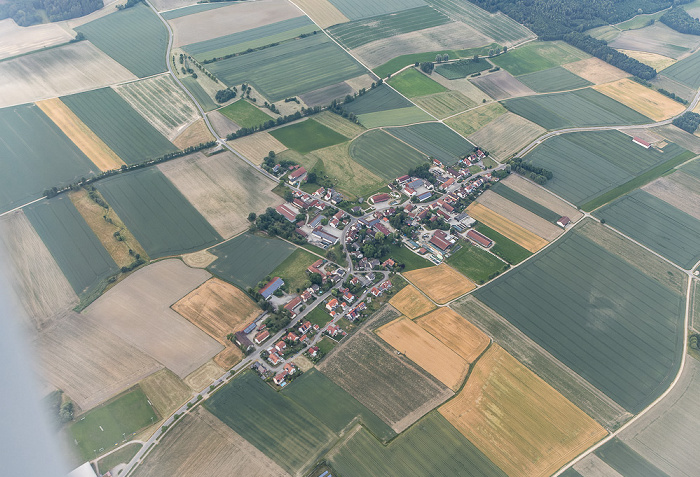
x=553 y=79
x=385 y=156
x=506 y=135
x=435 y=140
x=686 y=71
x=538 y=56
x=521 y=216
x=442 y=283
x=411 y=302
x=518 y=234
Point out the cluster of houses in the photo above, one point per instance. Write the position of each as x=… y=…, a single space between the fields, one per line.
x=288 y=342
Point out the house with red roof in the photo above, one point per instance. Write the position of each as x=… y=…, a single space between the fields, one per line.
x=261 y=337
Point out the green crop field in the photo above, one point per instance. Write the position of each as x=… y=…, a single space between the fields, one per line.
x=476 y=263
x=580 y=108
x=192 y=9
x=360 y=32
x=504 y=247
x=462 y=68
x=307 y=136
x=385 y=156
x=626 y=460
x=35 y=155
x=253 y=38
x=358 y=9
x=293 y=269
x=656 y=224
x=442 y=105
x=245 y=114
x=686 y=71
x=318 y=316
x=553 y=79
x=289 y=69
x=615 y=326
x=124 y=130
x=525 y=202
x=134 y=37
x=410 y=260
x=104 y=427
x=273 y=423
x=332 y=405
x=394 y=117
x=588 y=164
x=537 y=56
x=395 y=64
x=412 y=83
x=430 y=447
x=74 y=246
x=435 y=140
x=158 y=215
x=382 y=98
x=248 y=259
x=692 y=168
x=198 y=92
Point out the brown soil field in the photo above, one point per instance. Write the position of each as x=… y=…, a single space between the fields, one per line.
x=303 y=363
x=223 y=188
x=518 y=421
x=203 y=376
x=322 y=12
x=656 y=61
x=442 y=105
x=473 y=120
x=229 y=357
x=409 y=338
x=656 y=38
x=196 y=133
x=61 y=71
x=542 y=196
x=166 y=391
x=81 y=135
x=442 y=283
x=455 y=332
x=256 y=146
x=520 y=216
x=222 y=125
x=89 y=363
x=17 y=40
x=201 y=259
x=339 y=124
x=642 y=99
x=501 y=85
x=37 y=281
x=505 y=227
x=674 y=193
x=411 y=302
x=465 y=87
x=94 y=216
x=137 y=309
x=506 y=135
x=218 y=22
x=595 y=70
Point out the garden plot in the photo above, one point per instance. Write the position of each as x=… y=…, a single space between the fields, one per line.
x=442 y=105
x=656 y=38
x=195 y=134
x=442 y=283
x=511 y=230
x=473 y=120
x=322 y=12
x=501 y=85
x=674 y=193
x=223 y=188
x=17 y=40
x=63 y=70
x=644 y=100
x=411 y=302
x=137 y=310
x=520 y=216
x=541 y=196
x=384 y=155
x=358 y=9
x=506 y=135
x=553 y=79
x=434 y=140
x=595 y=70
x=538 y=56
x=456 y=333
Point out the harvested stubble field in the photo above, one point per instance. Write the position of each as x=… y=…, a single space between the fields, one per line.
x=87 y=362
x=473 y=120
x=553 y=79
x=595 y=70
x=506 y=135
x=411 y=302
x=307 y=136
x=64 y=70
x=656 y=61
x=456 y=333
x=170 y=225
x=500 y=224
x=195 y=134
x=622 y=458
x=435 y=140
x=538 y=56
x=339 y=124
x=244 y=114
x=256 y=146
x=686 y=71
x=622 y=331
x=527 y=203
x=203 y=376
x=504 y=247
x=501 y=85
x=223 y=188
x=38 y=282
x=322 y=12
x=391 y=386
x=475 y=263
x=137 y=309
x=542 y=431
x=223 y=125
x=17 y=40
x=642 y=99
x=442 y=105
x=540 y=195
x=442 y=283
x=657 y=38
x=412 y=83
x=166 y=391
x=135 y=37
x=520 y=216
x=201 y=445
x=162 y=103
x=674 y=193
x=383 y=155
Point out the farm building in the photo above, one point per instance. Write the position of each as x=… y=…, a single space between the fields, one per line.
x=243 y=341
x=563 y=221
x=440 y=240
x=379 y=198
x=424 y=195
x=84 y=470
x=298 y=175
x=288 y=211
x=481 y=239
x=641 y=142
x=271 y=287
x=261 y=337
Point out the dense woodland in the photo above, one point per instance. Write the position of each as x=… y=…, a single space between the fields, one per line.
x=29 y=12
x=681 y=21
x=688 y=122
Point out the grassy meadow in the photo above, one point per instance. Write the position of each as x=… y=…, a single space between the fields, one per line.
x=476 y=263
x=307 y=136
x=245 y=114
x=504 y=247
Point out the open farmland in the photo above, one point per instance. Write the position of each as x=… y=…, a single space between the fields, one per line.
x=627 y=326
x=183 y=10
x=539 y=195
x=441 y=283
x=170 y=225
x=657 y=225
x=526 y=219
x=17 y=40
x=467 y=88
x=473 y=120
x=273 y=423
x=64 y=70
x=435 y=140
x=684 y=139
x=686 y=71
x=162 y=103
x=137 y=310
x=204 y=99
x=339 y=124
x=657 y=38
x=538 y=56
x=381 y=98
x=358 y=9
x=166 y=391
x=307 y=136
x=324 y=96
x=462 y=68
x=202 y=445
x=411 y=302
x=444 y=104
x=553 y=79
x=412 y=83
x=256 y=146
x=385 y=156
x=248 y=259
x=134 y=37
x=73 y=357
x=656 y=61
x=36 y=165
x=456 y=333
x=290 y=68
x=293 y=270
x=622 y=458
x=543 y=430
x=74 y=246
x=223 y=188
x=394 y=117
x=500 y=224
x=595 y=70
x=476 y=263
x=195 y=134
x=244 y=114
x=527 y=203
x=501 y=85
x=432 y=445
x=203 y=376
x=322 y=12
x=392 y=387
x=676 y=194
x=580 y=108
x=504 y=247
x=642 y=99
x=506 y=135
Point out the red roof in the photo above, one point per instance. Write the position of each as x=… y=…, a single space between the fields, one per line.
x=641 y=142
x=293 y=304
x=298 y=173
x=262 y=336
x=381 y=198
x=481 y=239
x=440 y=242
x=288 y=212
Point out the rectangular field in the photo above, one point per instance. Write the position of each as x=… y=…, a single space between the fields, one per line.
x=538 y=56
x=441 y=283
x=553 y=79
x=686 y=71
x=622 y=458
x=381 y=98
x=473 y=120
x=411 y=302
x=256 y=146
x=244 y=114
x=476 y=263
x=358 y=9
x=435 y=140
x=456 y=333
x=500 y=224
x=19 y=40
x=158 y=215
x=322 y=12
x=442 y=105
x=538 y=195
x=657 y=38
x=412 y=83
x=293 y=270
x=307 y=136
x=520 y=216
x=501 y=85
x=462 y=68
x=595 y=70
x=525 y=202
x=504 y=247
x=674 y=190
x=394 y=117
x=642 y=99
x=385 y=156
x=166 y=391
x=506 y=135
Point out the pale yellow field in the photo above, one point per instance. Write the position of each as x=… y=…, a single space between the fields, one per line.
x=203 y=376
x=195 y=134
x=520 y=216
x=81 y=135
x=473 y=120
x=595 y=70
x=506 y=135
x=322 y=12
x=166 y=391
x=447 y=103
x=339 y=124
x=256 y=146
x=442 y=283
x=229 y=357
x=455 y=332
x=517 y=420
x=656 y=61
x=642 y=99
x=409 y=338
x=505 y=227
x=411 y=302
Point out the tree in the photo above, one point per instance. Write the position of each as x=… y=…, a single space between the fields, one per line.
x=289 y=195
x=252 y=216
x=311 y=177
x=66 y=412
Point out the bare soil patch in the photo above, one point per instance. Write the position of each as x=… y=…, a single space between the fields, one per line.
x=303 y=363
x=256 y=146
x=223 y=125
x=524 y=218
x=166 y=391
x=204 y=376
x=322 y=12
x=458 y=334
x=642 y=99
x=411 y=302
x=196 y=133
x=229 y=357
x=506 y=227
x=17 y=40
x=442 y=283
x=674 y=193
x=501 y=85
x=542 y=196
x=595 y=70
x=506 y=135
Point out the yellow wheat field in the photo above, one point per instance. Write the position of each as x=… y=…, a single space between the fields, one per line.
x=442 y=283
x=411 y=302
x=505 y=227
x=642 y=99
x=455 y=332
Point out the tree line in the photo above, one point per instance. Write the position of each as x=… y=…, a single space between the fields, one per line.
x=600 y=49
x=681 y=21
x=688 y=122
x=27 y=12
x=539 y=175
